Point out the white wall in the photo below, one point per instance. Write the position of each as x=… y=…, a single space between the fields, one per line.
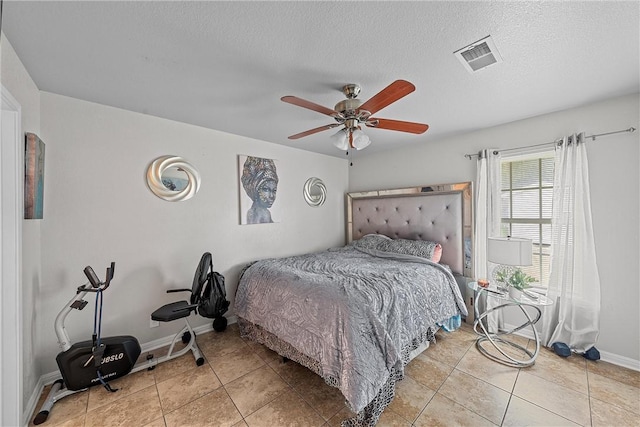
x=613 y=162
x=16 y=79
x=98 y=209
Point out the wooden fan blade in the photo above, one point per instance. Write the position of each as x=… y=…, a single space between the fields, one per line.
x=388 y=95
x=312 y=131
x=410 y=127
x=308 y=104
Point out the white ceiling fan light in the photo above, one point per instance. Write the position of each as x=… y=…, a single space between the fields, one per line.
x=340 y=139
x=360 y=139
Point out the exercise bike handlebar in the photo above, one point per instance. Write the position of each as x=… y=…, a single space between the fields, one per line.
x=96 y=284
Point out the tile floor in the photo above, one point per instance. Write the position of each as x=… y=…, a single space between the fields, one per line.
x=450 y=384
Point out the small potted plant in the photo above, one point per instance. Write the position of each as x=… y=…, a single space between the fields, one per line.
x=516 y=281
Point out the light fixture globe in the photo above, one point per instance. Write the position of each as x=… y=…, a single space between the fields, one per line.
x=360 y=140
x=340 y=139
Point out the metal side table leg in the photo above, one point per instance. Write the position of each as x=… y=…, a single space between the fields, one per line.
x=501 y=337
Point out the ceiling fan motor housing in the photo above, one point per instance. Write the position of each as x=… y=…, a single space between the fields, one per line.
x=348 y=106
x=350 y=115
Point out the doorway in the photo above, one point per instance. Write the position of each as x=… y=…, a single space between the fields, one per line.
x=11 y=202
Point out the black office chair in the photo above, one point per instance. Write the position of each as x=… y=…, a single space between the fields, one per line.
x=182 y=310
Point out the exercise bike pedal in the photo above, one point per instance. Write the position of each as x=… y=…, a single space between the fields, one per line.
x=79 y=304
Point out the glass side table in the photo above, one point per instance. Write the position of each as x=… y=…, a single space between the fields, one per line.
x=500 y=339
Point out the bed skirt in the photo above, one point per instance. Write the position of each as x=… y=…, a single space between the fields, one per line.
x=369 y=416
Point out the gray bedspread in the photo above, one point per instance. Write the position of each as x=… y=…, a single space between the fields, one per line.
x=352 y=311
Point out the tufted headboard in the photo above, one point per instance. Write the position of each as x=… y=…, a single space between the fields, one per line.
x=440 y=213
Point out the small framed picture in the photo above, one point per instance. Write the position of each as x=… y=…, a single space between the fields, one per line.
x=33 y=177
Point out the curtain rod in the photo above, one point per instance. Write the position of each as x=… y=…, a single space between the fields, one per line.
x=593 y=138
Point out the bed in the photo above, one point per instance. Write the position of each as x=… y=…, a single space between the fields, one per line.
x=357 y=314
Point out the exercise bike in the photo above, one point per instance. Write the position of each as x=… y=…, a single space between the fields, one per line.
x=97 y=361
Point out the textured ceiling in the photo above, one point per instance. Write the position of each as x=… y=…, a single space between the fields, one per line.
x=225 y=65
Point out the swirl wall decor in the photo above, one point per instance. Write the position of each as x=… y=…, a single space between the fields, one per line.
x=315 y=192
x=160 y=165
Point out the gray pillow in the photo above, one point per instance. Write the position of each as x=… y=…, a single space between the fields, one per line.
x=370 y=241
x=421 y=248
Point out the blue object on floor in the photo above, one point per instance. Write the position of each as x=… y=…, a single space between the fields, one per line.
x=592 y=354
x=451 y=324
x=561 y=349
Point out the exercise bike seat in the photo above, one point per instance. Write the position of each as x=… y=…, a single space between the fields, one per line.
x=181 y=309
x=173 y=311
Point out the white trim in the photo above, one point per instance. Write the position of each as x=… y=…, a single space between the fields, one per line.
x=35 y=396
x=11 y=203
x=11 y=162
x=625 y=362
x=166 y=341
x=605 y=356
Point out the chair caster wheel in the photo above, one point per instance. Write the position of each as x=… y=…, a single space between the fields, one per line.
x=220 y=324
x=186 y=337
x=200 y=361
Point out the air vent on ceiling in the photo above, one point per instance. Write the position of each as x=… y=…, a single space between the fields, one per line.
x=479 y=55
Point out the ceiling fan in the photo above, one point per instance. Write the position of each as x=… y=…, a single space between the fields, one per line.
x=351 y=114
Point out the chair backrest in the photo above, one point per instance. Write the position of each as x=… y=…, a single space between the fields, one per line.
x=205 y=266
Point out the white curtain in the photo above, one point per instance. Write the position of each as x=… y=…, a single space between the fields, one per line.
x=487 y=219
x=574 y=284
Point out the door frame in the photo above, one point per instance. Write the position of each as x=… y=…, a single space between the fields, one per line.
x=11 y=208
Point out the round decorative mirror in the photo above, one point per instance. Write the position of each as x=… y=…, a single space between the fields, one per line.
x=172 y=178
x=315 y=192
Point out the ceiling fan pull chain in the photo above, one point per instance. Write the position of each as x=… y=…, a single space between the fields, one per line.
x=350 y=156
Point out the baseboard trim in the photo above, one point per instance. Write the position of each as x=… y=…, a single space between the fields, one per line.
x=625 y=362
x=615 y=359
x=163 y=342
x=50 y=377
x=33 y=401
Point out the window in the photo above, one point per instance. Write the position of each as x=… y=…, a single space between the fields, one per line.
x=527 y=195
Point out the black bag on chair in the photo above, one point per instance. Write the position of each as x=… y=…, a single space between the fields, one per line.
x=213 y=302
